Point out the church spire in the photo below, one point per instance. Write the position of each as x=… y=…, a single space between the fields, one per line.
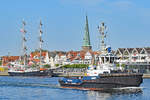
x=86 y=40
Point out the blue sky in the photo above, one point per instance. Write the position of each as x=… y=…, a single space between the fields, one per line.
x=128 y=23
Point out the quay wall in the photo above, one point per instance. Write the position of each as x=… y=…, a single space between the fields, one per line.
x=5 y=73
x=146 y=76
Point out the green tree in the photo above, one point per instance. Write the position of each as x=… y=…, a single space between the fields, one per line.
x=123 y=65
x=76 y=66
x=47 y=66
x=117 y=65
x=33 y=65
x=56 y=65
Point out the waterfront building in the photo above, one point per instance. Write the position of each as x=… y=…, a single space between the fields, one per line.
x=60 y=58
x=6 y=60
x=57 y=59
x=52 y=64
x=47 y=58
x=79 y=57
x=35 y=58
x=88 y=57
x=137 y=57
x=133 y=55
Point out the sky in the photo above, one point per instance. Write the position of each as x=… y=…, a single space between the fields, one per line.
x=128 y=23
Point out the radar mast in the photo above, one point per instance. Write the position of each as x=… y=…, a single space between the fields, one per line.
x=102 y=31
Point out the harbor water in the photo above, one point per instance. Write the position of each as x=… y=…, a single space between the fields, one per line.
x=47 y=88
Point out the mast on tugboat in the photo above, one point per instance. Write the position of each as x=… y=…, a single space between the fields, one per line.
x=102 y=31
x=41 y=41
x=105 y=51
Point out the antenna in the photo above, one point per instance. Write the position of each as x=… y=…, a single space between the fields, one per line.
x=102 y=31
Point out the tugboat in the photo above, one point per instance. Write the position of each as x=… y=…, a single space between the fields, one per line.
x=21 y=68
x=105 y=76
x=103 y=81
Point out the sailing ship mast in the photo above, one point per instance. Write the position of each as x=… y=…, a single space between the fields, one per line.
x=24 y=51
x=41 y=41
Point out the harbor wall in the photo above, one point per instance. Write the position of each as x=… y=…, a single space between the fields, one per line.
x=68 y=72
x=4 y=73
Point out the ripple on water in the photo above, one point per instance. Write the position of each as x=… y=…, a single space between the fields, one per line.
x=45 y=88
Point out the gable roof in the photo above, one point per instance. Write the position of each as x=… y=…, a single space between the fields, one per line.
x=130 y=50
x=147 y=50
x=139 y=49
x=143 y=49
x=121 y=50
x=7 y=59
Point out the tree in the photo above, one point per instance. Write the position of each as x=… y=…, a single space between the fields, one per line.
x=33 y=65
x=47 y=66
x=123 y=65
x=76 y=66
x=56 y=65
x=117 y=65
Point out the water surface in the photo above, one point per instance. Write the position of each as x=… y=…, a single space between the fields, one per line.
x=46 y=88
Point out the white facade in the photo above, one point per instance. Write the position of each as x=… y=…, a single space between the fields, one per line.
x=62 y=59
x=88 y=58
x=47 y=59
x=133 y=55
x=52 y=62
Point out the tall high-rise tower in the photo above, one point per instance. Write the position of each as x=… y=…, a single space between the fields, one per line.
x=86 y=40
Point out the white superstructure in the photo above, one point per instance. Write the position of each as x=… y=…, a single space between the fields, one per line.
x=105 y=61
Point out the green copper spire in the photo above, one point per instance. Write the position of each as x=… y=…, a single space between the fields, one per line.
x=86 y=40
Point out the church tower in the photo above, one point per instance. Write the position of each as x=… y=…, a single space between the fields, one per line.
x=86 y=40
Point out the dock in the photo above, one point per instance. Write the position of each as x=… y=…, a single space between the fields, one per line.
x=4 y=73
x=146 y=75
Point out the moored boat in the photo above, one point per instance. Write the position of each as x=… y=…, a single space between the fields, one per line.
x=30 y=73
x=21 y=67
x=21 y=70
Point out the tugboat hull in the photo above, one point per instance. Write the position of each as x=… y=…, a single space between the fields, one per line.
x=103 y=82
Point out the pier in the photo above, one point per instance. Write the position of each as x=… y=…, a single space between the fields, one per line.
x=65 y=74
x=5 y=73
